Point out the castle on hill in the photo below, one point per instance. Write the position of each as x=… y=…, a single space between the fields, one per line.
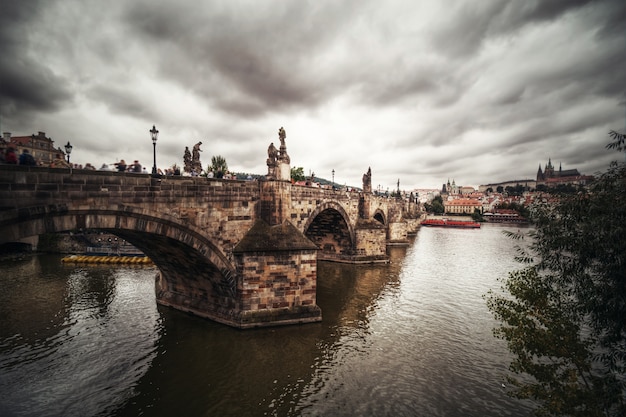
x=546 y=177
x=551 y=177
x=549 y=172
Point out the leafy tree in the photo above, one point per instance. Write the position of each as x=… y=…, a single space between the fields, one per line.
x=297 y=174
x=436 y=206
x=517 y=190
x=564 y=315
x=477 y=216
x=218 y=165
x=519 y=208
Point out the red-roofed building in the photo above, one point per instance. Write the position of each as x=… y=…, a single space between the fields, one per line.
x=462 y=206
x=40 y=147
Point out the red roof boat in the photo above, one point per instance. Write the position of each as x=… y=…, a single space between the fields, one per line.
x=451 y=223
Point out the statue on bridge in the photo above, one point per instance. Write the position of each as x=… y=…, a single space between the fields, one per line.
x=278 y=160
x=283 y=148
x=187 y=160
x=196 y=165
x=282 y=135
x=272 y=155
x=367 y=181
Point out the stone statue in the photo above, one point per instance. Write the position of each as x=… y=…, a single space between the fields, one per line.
x=282 y=135
x=282 y=156
x=272 y=155
x=367 y=181
x=187 y=160
x=278 y=160
x=196 y=165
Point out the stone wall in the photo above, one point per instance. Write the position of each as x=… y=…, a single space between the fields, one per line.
x=371 y=242
x=278 y=288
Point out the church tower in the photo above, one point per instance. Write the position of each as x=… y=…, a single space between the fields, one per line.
x=549 y=171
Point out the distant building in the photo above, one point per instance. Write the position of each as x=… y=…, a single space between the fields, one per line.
x=450 y=189
x=550 y=177
x=462 y=206
x=40 y=147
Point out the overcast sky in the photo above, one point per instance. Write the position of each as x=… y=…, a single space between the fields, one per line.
x=420 y=91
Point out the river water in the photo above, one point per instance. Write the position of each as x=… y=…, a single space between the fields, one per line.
x=412 y=338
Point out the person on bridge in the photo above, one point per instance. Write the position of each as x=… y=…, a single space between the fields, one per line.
x=136 y=167
x=27 y=159
x=121 y=166
x=10 y=157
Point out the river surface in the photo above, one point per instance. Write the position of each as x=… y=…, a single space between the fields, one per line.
x=411 y=338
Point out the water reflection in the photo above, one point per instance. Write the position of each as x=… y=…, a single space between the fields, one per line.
x=32 y=302
x=409 y=338
x=68 y=350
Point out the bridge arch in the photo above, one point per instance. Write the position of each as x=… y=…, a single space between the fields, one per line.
x=330 y=229
x=193 y=273
x=379 y=216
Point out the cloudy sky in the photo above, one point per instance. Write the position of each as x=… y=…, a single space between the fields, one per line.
x=420 y=91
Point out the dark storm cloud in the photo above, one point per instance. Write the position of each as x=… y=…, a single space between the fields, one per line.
x=471 y=24
x=245 y=59
x=26 y=83
x=477 y=91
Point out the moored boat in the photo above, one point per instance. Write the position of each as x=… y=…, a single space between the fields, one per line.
x=451 y=223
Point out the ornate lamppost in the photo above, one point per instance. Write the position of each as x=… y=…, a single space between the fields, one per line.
x=333 y=172
x=68 y=150
x=154 y=134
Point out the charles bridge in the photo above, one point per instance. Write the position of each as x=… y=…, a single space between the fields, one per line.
x=243 y=253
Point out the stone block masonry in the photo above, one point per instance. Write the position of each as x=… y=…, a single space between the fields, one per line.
x=277 y=276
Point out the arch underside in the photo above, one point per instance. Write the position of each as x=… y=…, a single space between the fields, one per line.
x=193 y=274
x=331 y=233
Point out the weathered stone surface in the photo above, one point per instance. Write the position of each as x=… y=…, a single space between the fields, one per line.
x=240 y=252
x=265 y=238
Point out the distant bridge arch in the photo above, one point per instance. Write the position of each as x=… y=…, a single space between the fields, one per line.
x=380 y=216
x=329 y=227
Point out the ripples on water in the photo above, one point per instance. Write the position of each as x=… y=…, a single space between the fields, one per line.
x=83 y=341
x=412 y=338
x=426 y=347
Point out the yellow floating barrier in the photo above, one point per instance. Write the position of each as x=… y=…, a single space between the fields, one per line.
x=88 y=259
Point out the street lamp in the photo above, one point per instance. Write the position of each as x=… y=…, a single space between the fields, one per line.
x=154 y=134
x=333 y=178
x=68 y=150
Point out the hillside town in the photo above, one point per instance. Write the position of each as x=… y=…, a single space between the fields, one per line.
x=505 y=201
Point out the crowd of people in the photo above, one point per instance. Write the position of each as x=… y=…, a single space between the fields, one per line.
x=10 y=156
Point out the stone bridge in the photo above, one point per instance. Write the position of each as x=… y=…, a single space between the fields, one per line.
x=243 y=253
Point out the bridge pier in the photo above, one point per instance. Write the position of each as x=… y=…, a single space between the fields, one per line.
x=277 y=277
x=370 y=242
x=276 y=265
